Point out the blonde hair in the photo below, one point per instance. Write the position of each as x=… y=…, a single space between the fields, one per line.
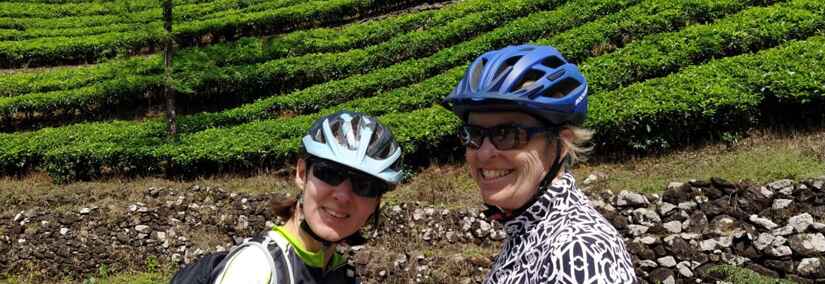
x=577 y=148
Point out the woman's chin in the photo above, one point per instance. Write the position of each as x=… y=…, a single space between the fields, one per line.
x=328 y=231
x=330 y=234
x=495 y=196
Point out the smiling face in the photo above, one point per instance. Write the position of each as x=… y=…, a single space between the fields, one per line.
x=333 y=212
x=508 y=179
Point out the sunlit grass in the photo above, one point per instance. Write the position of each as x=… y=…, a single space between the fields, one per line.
x=736 y=274
x=760 y=159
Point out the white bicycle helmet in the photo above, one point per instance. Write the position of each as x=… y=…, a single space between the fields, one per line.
x=358 y=141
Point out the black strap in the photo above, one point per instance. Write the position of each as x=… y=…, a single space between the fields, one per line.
x=218 y=265
x=305 y=226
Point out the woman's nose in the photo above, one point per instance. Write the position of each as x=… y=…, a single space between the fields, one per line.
x=487 y=150
x=343 y=192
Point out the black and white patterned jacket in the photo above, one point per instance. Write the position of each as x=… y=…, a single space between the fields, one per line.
x=561 y=238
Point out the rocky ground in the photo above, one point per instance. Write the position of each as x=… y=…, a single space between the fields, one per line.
x=675 y=237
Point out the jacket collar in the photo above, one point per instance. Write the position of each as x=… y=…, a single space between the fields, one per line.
x=555 y=197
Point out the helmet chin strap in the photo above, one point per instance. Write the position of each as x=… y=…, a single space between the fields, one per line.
x=501 y=215
x=306 y=228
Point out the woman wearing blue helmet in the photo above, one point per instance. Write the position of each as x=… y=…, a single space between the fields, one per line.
x=522 y=108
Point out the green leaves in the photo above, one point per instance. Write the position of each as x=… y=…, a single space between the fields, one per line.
x=750 y=30
x=271 y=77
x=46 y=47
x=722 y=95
x=649 y=91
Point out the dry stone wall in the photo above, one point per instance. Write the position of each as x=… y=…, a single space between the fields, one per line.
x=776 y=229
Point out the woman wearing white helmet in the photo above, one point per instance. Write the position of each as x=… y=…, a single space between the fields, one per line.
x=522 y=108
x=348 y=160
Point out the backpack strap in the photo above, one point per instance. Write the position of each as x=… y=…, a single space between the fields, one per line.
x=282 y=244
x=269 y=244
x=264 y=246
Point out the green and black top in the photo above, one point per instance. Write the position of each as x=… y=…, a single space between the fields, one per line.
x=279 y=257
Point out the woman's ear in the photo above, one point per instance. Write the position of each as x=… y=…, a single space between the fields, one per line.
x=566 y=137
x=301 y=173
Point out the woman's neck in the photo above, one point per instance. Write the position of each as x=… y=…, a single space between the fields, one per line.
x=310 y=244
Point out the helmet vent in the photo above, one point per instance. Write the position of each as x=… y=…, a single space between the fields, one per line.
x=319 y=136
x=553 y=62
x=506 y=65
x=475 y=74
x=346 y=134
x=528 y=79
x=379 y=147
x=562 y=88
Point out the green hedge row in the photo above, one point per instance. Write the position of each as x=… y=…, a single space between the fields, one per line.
x=668 y=18
x=399 y=100
x=40 y=33
x=127 y=19
x=289 y=72
x=122 y=136
x=246 y=150
x=295 y=72
x=722 y=95
x=61 y=50
x=54 y=1
x=60 y=2
x=675 y=13
x=66 y=78
x=85 y=101
x=50 y=10
x=42 y=10
x=648 y=17
x=134 y=12
x=83 y=49
x=319 y=40
x=538 y=24
x=289 y=127
x=750 y=30
x=113 y=141
x=331 y=93
x=244 y=51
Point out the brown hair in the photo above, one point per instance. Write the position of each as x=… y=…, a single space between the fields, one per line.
x=284 y=206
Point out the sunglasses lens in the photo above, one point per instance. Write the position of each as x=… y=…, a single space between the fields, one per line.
x=329 y=174
x=368 y=186
x=362 y=185
x=506 y=138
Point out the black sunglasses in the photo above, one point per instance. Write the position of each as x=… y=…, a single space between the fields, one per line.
x=333 y=174
x=503 y=137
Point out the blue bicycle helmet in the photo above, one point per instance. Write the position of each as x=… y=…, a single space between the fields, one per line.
x=530 y=78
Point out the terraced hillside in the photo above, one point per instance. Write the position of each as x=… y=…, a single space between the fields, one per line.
x=82 y=80
x=252 y=75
